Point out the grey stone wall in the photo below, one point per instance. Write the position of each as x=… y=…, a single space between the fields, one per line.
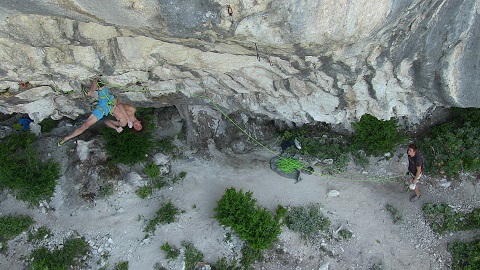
x=294 y=61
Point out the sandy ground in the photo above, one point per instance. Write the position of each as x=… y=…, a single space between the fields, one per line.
x=115 y=225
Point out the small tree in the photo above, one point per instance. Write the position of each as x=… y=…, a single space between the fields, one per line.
x=254 y=224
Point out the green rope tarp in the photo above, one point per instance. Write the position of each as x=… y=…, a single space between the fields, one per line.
x=274 y=166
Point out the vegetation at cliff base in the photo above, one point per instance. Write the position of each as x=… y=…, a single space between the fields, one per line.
x=465 y=255
x=453 y=147
x=130 y=146
x=252 y=223
x=22 y=171
x=73 y=252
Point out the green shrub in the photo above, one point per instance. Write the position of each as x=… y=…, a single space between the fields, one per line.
x=375 y=136
x=442 y=218
x=316 y=142
x=73 y=252
x=172 y=251
x=105 y=190
x=167 y=147
x=250 y=256
x=192 y=255
x=11 y=226
x=360 y=158
x=223 y=264
x=122 y=265
x=396 y=216
x=47 y=124
x=22 y=171
x=307 y=220
x=42 y=233
x=253 y=224
x=130 y=146
x=345 y=234
x=453 y=147
x=165 y=215
x=465 y=255
x=144 y=192
x=178 y=177
x=158 y=181
x=152 y=171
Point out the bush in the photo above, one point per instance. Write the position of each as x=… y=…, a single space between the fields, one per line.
x=165 y=215
x=465 y=255
x=144 y=192
x=192 y=255
x=306 y=220
x=453 y=147
x=172 y=251
x=130 y=146
x=167 y=146
x=11 y=226
x=42 y=233
x=375 y=136
x=73 y=252
x=253 y=224
x=345 y=234
x=442 y=218
x=317 y=143
x=47 y=125
x=223 y=264
x=122 y=265
x=250 y=256
x=396 y=216
x=152 y=171
x=21 y=169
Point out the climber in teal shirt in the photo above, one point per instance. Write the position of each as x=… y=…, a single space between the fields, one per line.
x=107 y=104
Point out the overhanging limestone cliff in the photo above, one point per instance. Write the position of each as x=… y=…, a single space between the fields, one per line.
x=297 y=61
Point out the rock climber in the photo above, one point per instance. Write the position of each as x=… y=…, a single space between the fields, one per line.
x=107 y=104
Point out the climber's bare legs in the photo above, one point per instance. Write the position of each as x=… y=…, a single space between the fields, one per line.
x=115 y=124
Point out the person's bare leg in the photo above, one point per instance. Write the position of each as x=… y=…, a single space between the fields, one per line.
x=130 y=112
x=121 y=109
x=114 y=124
x=417 y=191
x=92 y=119
x=93 y=87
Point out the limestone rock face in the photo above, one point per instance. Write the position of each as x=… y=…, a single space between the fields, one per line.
x=296 y=61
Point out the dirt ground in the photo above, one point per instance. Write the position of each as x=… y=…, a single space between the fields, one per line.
x=114 y=226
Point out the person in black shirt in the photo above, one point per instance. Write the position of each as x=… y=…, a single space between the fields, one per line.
x=415 y=168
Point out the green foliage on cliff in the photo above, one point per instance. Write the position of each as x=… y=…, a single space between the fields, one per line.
x=375 y=136
x=318 y=142
x=465 y=255
x=22 y=171
x=453 y=147
x=72 y=252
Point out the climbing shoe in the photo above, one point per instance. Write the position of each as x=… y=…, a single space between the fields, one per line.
x=61 y=142
x=415 y=198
